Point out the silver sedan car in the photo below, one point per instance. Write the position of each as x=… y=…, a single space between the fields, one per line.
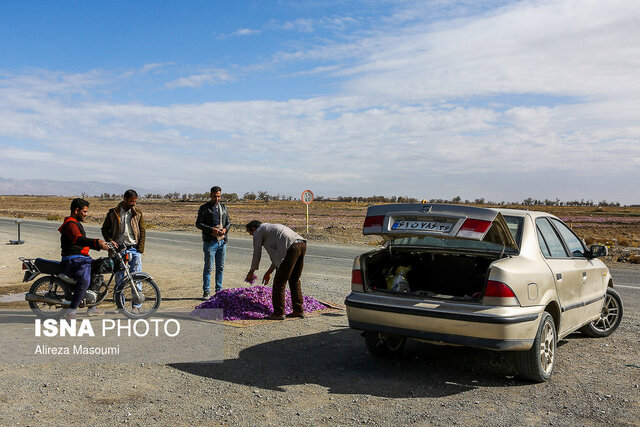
x=491 y=278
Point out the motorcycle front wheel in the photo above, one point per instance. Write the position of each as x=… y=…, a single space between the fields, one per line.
x=52 y=288
x=151 y=303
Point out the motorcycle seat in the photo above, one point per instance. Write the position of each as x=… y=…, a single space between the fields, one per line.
x=47 y=266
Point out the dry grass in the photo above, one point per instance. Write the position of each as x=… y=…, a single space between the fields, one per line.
x=329 y=221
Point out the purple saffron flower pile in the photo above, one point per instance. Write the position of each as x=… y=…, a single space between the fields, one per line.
x=250 y=303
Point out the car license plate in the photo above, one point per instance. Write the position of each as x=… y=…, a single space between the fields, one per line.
x=440 y=227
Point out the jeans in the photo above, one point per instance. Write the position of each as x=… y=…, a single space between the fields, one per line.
x=79 y=269
x=213 y=250
x=135 y=266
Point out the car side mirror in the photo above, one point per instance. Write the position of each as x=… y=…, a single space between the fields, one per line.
x=597 y=251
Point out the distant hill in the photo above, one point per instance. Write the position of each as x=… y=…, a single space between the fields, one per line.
x=38 y=187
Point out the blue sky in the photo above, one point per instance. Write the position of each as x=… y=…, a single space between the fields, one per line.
x=495 y=99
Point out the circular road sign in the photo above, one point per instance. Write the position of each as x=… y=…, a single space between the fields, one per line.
x=307 y=196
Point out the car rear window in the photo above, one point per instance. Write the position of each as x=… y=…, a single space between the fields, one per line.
x=456 y=244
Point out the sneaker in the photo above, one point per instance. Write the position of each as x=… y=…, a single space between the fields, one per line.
x=70 y=315
x=206 y=295
x=93 y=311
x=300 y=315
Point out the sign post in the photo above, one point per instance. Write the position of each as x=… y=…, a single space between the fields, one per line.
x=307 y=198
x=19 y=241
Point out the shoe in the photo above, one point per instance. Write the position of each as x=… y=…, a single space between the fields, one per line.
x=206 y=295
x=93 y=311
x=300 y=315
x=274 y=317
x=70 y=315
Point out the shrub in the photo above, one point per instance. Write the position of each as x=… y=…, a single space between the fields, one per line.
x=634 y=259
x=53 y=217
x=623 y=241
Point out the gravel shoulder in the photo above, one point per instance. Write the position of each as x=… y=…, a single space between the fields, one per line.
x=316 y=371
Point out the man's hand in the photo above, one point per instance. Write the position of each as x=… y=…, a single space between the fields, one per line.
x=115 y=245
x=218 y=231
x=267 y=275
x=266 y=278
x=250 y=277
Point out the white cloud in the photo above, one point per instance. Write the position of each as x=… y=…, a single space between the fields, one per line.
x=242 y=32
x=581 y=48
x=210 y=77
x=245 y=32
x=300 y=24
x=428 y=109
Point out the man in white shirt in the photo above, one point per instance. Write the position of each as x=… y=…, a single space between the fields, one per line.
x=286 y=249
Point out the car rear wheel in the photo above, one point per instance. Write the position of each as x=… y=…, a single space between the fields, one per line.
x=537 y=363
x=610 y=317
x=380 y=344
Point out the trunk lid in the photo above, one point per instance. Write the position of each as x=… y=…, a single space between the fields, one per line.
x=455 y=222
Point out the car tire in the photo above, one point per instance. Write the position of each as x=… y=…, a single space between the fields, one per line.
x=610 y=317
x=536 y=364
x=384 y=345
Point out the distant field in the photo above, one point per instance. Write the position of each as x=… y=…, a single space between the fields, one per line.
x=329 y=221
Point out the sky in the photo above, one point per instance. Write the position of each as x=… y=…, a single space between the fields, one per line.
x=502 y=100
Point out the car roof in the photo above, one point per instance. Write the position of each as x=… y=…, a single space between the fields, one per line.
x=524 y=212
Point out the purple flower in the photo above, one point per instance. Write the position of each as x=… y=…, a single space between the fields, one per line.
x=250 y=303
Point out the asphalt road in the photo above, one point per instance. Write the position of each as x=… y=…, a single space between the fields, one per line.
x=175 y=259
x=330 y=264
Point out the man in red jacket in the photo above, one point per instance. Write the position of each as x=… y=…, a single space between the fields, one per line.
x=75 y=252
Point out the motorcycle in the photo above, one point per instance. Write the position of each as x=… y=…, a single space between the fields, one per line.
x=136 y=295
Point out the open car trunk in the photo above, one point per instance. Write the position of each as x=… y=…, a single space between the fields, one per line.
x=420 y=272
x=437 y=251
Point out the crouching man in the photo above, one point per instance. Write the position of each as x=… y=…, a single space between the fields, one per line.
x=75 y=253
x=286 y=248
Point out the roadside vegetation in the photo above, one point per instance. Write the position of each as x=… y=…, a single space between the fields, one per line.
x=336 y=220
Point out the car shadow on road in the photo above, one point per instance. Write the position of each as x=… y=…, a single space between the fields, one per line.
x=339 y=361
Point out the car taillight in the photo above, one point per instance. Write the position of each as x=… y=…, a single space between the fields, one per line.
x=356 y=277
x=357 y=284
x=374 y=221
x=498 y=290
x=24 y=266
x=474 y=228
x=373 y=224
